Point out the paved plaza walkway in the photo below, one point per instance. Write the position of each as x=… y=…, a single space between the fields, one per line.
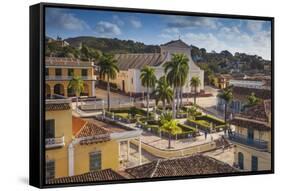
x=162 y=143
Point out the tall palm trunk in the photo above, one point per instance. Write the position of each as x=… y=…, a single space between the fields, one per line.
x=173 y=106
x=164 y=105
x=108 y=94
x=225 y=113
x=181 y=97
x=195 y=94
x=147 y=102
x=178 y=99
x=76 y=102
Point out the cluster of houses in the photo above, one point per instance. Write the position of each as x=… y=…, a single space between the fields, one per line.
x=85 y=150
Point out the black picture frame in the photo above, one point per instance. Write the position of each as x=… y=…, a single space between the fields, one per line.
x=37 y=88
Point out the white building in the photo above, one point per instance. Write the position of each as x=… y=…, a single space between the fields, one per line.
x=247 y=83
x=130 y=65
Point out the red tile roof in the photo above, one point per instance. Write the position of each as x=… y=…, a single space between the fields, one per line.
x=102 y=175
x=256 y=117
x=241 y=93
x=193 y=165
x=92 y=133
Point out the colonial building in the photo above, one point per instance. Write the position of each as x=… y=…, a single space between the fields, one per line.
x=240 y=94
x=252 y=138
x=58 y=135
x=75 y=146
x=59 y=71
x=130 y=65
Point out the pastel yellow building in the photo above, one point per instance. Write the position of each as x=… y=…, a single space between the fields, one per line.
x=92 y=149
x=58 y=135
x=252 y=138
x=74 y=146
x=59 y=71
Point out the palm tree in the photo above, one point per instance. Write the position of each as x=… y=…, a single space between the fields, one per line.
x=252 y=100
x=177 y=71
x=148 y=80
x=169 y=125
x=226 y=95
x=163 y=92
x=109 y=69
x=192 y=111
x=195 y=82
x=77 y=84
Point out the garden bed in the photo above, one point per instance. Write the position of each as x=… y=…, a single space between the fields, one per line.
x=153 y=127
x=206 y=123
x=129 y=115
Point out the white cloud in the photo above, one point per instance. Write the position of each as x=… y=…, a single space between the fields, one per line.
x=192 y=22
x=255 y=26
x=105 y=28
x=117 y=20
x=135 y=23
x=170 y=33
x=233 y=41
x=63 y=20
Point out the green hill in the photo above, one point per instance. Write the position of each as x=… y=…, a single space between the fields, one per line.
x=113 y=45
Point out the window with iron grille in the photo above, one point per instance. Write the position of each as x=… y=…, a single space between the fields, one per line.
x=254 y=163
x=70 y=72
x=58 y=71
x=50 y=169
x=84 y=72
x=95 y=161
x=50 y=128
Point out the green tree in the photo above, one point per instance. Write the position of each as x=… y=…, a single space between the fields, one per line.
x=77 y=85
x=226 y=95
x=177 y=71
x=89 y=54
x=108 y=69
x=194 y=83
x=192 y=112
x=148 y=80
x=252 y=100
x=169 y=125
x=163 y=92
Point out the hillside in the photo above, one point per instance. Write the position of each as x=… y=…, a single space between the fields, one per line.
x=113 y=45
x=211 y=62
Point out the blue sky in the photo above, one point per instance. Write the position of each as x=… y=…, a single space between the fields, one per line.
x=235 y=35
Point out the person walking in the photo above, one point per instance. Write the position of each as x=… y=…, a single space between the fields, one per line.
x=206 y=135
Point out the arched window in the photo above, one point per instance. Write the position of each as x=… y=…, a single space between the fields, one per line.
x=59 y=89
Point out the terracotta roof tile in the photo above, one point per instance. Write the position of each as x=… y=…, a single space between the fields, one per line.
x=92 y=133
x=250 y=123
x=102 y=175
x=137 y=61
x=193 y=165
x=256 y=117
x=241 y=93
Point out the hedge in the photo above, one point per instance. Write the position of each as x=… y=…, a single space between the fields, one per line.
x=211 y=119
x=154 y=127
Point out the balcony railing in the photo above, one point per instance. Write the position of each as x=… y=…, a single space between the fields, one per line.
x=54 y=142
x=69 y=77
x=242 y=139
